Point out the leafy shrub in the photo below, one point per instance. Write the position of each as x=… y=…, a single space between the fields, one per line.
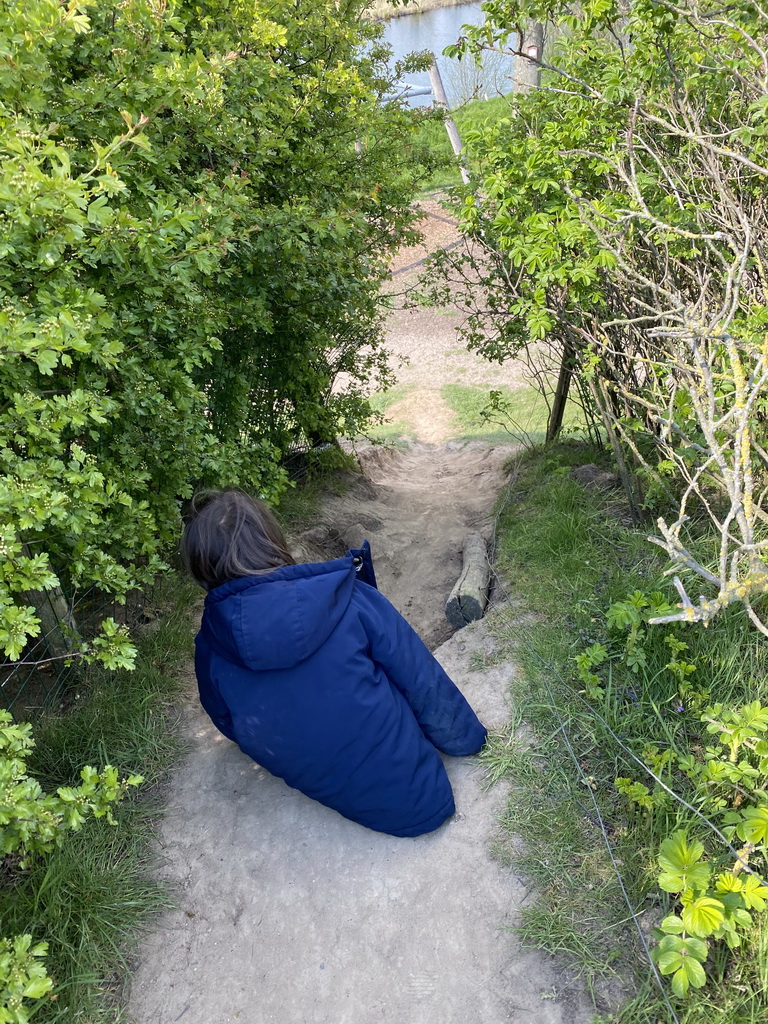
x=22 y=977
x=727 y=783
x=33 y=823
x=721 y=769
x=191 y=253
x=616 y=249
x=719 y=910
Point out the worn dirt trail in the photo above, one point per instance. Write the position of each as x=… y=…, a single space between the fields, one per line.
x=427 y=341
x=288 y=913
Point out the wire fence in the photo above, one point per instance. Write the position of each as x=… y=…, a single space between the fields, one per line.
x=50 y=668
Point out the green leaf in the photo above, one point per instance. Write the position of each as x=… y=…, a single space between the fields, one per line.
x=37 y=988
x=754 y=827
x=703 y=916
x=680 y=863
x=754 y=893
x=676 y=854
x=669 y=961
x=675 y=951
x=690 y=973
x=728 y=882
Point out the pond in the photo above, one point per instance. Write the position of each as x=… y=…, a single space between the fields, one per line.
x=434 y=30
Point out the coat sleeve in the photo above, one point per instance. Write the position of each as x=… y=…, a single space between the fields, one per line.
x=442 y=711
x=210 y=697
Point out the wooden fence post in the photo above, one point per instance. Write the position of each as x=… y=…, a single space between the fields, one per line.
x=57 y=623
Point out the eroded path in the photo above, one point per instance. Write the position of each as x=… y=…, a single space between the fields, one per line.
x=288 y=913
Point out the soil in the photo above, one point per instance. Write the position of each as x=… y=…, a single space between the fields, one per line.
x=286 y=912
x=415 y=506
x=424 y=342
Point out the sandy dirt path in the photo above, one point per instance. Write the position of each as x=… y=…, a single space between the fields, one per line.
x=424 y=341
x=289 y=914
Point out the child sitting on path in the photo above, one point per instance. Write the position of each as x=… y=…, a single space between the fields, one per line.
x=318 y=678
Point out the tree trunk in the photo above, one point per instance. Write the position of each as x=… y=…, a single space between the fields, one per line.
x=469 y=596
x=527 y=73
x=555 y=423
x=624 y=475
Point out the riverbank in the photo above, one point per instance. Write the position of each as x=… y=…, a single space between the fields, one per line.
x=383 y=10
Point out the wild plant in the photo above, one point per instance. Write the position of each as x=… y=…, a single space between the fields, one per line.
x=32 y=824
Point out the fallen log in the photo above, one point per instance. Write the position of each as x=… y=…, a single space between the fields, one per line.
x=470 y=594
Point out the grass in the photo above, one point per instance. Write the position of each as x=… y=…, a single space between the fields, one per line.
x=300 y=503
x=380 y=403
x=433 y=137
x=569 y=553
x=92 y=898
x=520 y=415
x=385 y=9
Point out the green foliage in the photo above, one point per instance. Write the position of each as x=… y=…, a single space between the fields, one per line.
x=432 y=138
x=585 y=662
x=22 y=977
x=718 y=911
x=728 y=784
x=90 y=896
x=33 y=822
x=191 y=254
x=599 y=193
x=636 y=793
x=500 y=415
x=560 y=153
x=729 y=777
x=569 y=552
x=631 y=614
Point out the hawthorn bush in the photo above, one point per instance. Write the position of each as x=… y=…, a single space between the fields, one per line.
x=191 y=251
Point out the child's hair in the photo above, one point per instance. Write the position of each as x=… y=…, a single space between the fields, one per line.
x=229 y=535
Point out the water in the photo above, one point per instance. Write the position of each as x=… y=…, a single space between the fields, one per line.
x=434 y=30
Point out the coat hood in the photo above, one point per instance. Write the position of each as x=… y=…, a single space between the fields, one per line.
x=278 y=620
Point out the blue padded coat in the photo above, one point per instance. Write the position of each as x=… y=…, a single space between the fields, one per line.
x=321 y=681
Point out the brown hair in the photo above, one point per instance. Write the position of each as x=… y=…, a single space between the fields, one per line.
x=229 y=535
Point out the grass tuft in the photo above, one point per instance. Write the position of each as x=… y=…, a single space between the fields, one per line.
x=300 y=504
x=381 y=402
x=521 y=415
x=567 y=553
x=433 y=138
x=91 y=899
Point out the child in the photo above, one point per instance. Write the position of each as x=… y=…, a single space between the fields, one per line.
x=318 y=678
